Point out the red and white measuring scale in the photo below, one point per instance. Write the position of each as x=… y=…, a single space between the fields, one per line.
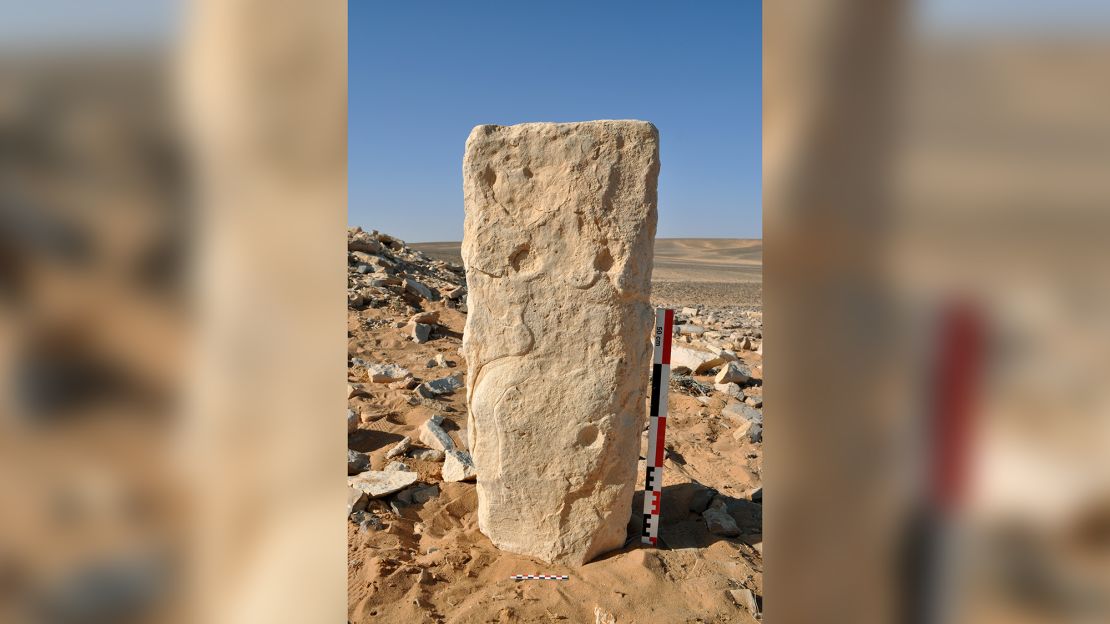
x=660 y=381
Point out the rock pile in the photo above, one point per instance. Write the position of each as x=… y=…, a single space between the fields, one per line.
x=383 y=272
x=410 y=290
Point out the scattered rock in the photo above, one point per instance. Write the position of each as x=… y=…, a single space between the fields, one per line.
x=407 y=383
x=728 y=356
x=718 y=520
x=696 y=361
x=356 y=500
x=357 y=462
x=456 y=293
x=458 y=466
x=731 y=389
x=742 y=428
x=431 y=317
x=438 y=387
x=400 y=448
x=755 y=433
x=745 y=599
x=739 y=411
x=432 y=435
x=369 y=523
x=386 y=373
x=431 y=455
x=691 y=330
x=689 y=312
x=420 y=290
x=419 y=332
x=733 y=372
x=603 y=617
x=418 y=494
x=395 y=466
x=378 y=483
x=352 y=421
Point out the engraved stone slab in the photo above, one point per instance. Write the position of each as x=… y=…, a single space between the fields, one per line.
x=558 y=243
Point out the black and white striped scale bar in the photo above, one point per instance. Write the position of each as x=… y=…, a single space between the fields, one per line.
x=657 y=427
x=538 y=577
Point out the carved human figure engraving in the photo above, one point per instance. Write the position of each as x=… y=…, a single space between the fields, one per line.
x=558 y=242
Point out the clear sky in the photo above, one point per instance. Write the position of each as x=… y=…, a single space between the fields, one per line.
x=422 y=74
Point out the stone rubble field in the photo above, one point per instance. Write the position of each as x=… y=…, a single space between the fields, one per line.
x=415 y=553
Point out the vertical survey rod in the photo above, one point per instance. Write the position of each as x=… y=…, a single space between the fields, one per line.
x=660 y=381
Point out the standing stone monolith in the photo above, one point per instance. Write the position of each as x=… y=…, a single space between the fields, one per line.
x=558 y=243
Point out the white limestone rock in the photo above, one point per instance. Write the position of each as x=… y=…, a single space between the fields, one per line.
x=356 y=500
x=431 y=455
x=718 y=520
x=399 y=449
x=684 y=360
x=733 y=372
x=731 y=389
x=420 y=290
x=438 y=387
x=434 y=436
x=386 y=373
x=458 y=466
x=378 y=483
x=740 y=412
x=558 y=242
x=429 y=317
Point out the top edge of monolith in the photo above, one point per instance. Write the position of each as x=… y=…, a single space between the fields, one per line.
x=487 y=129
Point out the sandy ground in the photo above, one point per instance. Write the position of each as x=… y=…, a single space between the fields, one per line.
x=430 y=563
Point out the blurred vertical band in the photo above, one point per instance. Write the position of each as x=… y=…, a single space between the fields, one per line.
x=264 y=86
x=829 y=84
x=915 y=154
x=172 y=217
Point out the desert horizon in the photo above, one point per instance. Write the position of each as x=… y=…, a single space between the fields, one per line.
x=703 y=259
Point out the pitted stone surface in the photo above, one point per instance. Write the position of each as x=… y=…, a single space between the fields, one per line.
x=558 y=242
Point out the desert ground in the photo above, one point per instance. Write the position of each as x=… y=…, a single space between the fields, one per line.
x=415 y=553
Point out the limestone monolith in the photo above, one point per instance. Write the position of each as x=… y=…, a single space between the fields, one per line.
x=558 y=242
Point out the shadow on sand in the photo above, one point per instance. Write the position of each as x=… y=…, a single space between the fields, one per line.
x=681 y=528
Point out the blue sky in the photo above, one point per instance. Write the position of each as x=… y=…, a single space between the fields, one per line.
x=422 y=74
